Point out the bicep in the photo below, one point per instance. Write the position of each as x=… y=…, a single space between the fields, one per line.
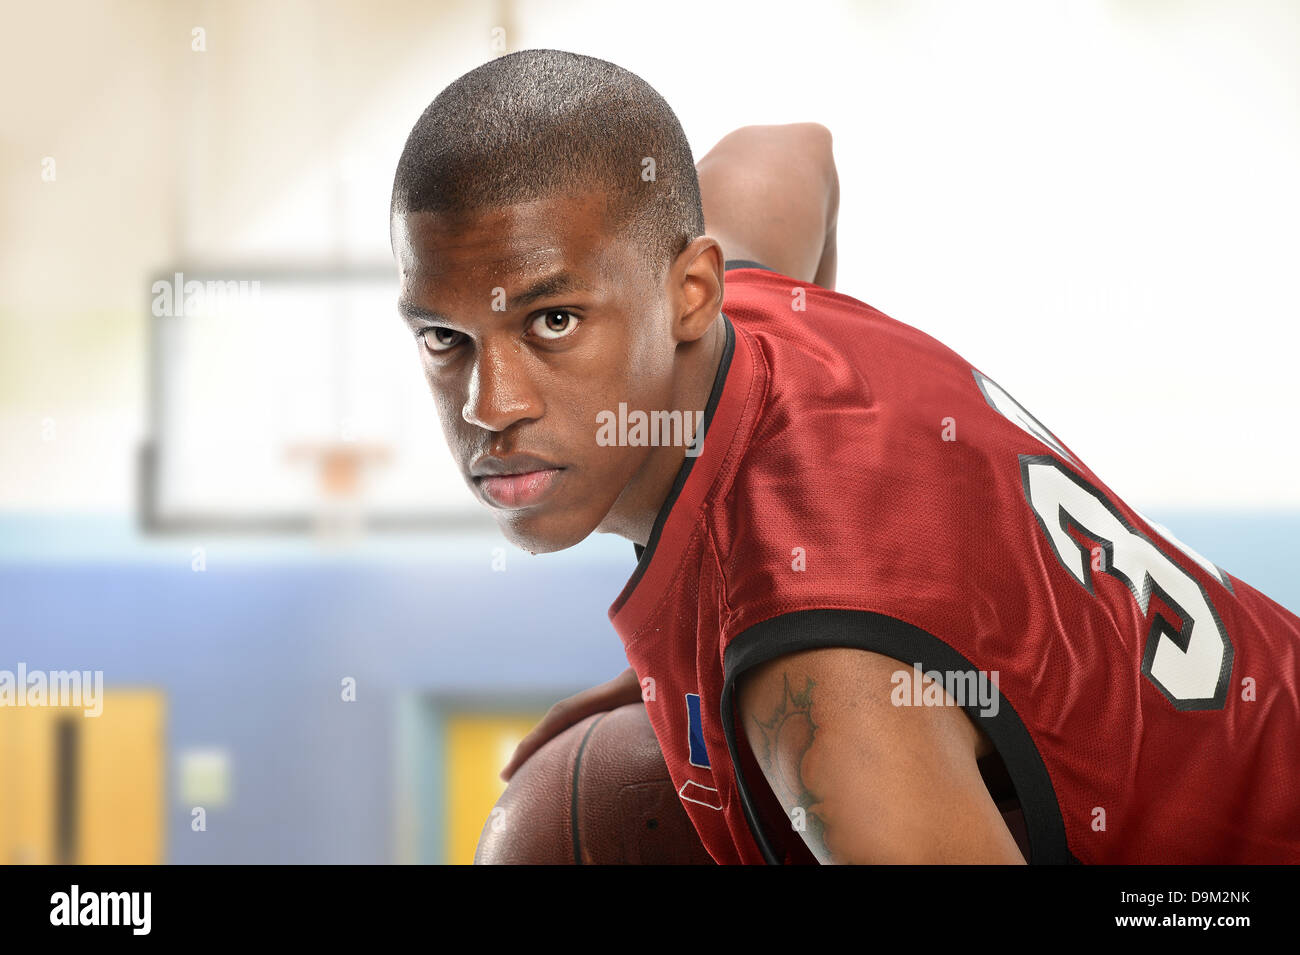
x=770 y=194
x=864 y=780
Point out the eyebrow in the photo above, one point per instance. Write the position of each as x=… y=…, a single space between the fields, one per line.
x=557 y=283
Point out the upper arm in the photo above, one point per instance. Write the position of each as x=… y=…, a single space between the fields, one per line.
x=876 y=783
x=771 y=194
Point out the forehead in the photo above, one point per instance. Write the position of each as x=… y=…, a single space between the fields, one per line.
x=493 y=244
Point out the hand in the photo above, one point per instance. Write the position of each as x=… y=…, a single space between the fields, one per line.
x=610 y=695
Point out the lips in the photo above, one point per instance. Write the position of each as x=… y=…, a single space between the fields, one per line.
x=514 y=480
x=512 y=491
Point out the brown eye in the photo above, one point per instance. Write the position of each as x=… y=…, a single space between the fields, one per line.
x=554 y=324
x=437 y=338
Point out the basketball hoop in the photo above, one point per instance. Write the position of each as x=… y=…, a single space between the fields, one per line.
x=341 y=467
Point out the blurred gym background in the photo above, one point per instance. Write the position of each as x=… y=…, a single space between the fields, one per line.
x=224 y=484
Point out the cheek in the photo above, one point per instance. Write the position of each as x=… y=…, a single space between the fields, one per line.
x=651 y=354
x=449 y=409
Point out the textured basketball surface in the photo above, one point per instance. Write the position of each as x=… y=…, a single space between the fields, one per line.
x=597 y=794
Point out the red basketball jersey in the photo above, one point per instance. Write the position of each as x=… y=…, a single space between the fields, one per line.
x=861 y=485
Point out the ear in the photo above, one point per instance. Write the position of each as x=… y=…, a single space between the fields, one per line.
x=696 y=286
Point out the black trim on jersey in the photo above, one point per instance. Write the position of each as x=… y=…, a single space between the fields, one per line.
x=745 y=264
x=644 y=554
x=573 y=802
x=811 y=629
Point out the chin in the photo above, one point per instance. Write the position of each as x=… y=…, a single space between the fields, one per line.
x=541 y=534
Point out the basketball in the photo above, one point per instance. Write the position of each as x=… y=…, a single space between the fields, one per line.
x=599 y=793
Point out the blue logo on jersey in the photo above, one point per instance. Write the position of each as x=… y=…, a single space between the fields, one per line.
x=699 y=756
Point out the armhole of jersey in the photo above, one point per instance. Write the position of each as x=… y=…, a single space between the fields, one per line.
x=879 y=633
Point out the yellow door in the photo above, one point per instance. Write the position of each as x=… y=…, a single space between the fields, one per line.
x=27 y=784
x=83 y=790
x=478 y=745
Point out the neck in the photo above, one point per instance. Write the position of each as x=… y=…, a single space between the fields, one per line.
x=633 y=514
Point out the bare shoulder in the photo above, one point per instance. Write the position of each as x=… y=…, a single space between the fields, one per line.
x=771 y=194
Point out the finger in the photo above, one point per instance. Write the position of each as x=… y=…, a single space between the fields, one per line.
x=527 y=746
x=560 y=716
x=572 y=710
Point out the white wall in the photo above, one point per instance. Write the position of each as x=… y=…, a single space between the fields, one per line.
x=1093 y=202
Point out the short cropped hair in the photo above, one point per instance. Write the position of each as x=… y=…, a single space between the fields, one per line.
x=540 y=123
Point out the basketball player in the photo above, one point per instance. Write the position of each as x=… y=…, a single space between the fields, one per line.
x=875 y=598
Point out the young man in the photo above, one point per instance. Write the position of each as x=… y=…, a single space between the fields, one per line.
x=874 y=595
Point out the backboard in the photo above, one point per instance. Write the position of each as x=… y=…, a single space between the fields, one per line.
x=281 y=400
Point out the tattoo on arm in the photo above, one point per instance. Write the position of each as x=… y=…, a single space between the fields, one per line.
x=786 y=739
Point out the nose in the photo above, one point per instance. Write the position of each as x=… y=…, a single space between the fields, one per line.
x=501 y=390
